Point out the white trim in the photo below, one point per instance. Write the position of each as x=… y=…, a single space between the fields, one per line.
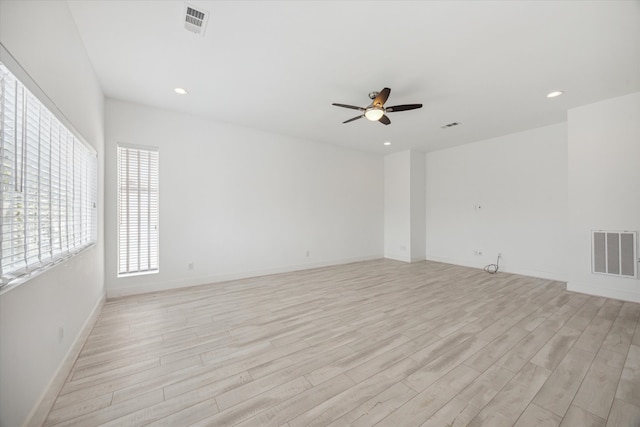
x=40 y=411
x=601 y=291
x=35 y=273
x=503 y=268
x=206 y=280
x=139 y=147
x=398 y=257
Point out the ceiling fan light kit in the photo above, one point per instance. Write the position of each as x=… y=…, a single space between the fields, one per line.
x=376 y=112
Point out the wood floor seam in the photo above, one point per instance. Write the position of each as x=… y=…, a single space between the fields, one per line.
x=377 y=342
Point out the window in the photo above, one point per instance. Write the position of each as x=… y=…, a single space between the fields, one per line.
x=137 y=210
x=48 y=184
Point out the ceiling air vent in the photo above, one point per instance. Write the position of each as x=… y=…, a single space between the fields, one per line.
x=195 y=20
x=450 y=125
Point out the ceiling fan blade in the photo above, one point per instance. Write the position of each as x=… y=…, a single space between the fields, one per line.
x=403 y=107
x=385 y=120
x=355 y=118
x=382 y=97
x=353 y=107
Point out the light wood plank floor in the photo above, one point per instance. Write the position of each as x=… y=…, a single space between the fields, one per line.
x=372 y=343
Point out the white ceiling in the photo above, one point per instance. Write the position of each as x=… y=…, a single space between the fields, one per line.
x=278 y=65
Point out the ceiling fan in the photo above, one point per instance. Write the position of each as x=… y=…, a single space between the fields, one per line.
x=376 y=111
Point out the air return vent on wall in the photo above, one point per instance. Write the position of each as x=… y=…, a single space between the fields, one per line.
x=195 y=20
x=614 y=253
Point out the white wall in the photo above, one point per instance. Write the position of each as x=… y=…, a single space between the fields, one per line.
x=42 y=37
x=418 y=206
x=604 y=187
x=404 y=206
x=397 y=206
x=520 y=183
x=238 y=202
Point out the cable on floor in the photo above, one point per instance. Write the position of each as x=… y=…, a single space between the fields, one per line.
x=493 y=268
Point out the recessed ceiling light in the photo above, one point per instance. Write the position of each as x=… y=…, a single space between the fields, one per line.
x=387 y=143
x=554 y=94
x=180 y=91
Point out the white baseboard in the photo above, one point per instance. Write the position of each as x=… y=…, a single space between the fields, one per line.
x=504 y=268
x=196 y=281
x=398 y=257
x=40 y=411
x=600 y=291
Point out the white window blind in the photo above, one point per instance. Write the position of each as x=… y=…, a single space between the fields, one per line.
x=49 y=185
x=137 y=210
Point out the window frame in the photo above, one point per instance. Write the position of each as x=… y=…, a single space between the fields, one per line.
x=152 y=240
x=49 y=247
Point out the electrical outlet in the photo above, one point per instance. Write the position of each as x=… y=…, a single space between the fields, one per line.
x=191 y=266
x=307 y=253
